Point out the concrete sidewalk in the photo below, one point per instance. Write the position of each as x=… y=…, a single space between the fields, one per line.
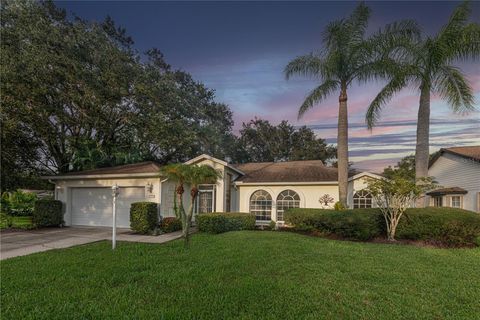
x=20 y=243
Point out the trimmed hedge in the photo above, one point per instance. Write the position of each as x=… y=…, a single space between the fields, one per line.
x=170 y=224
x=220 y=222
x=446 y=226
x=358 y=224
x=48 y=213
x=143 y=217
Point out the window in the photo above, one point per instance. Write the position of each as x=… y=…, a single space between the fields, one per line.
x=205 y=201
x=456 y=202
x=286 y=199
x=228 y=192
x=261 y=205
x=438 y=201
x=362 y=199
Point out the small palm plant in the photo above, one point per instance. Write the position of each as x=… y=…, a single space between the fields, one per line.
x=427 y=65
x=348 y=55
x=191 y=176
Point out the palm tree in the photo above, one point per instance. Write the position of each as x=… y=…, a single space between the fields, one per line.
x=348 y=55
x=193 y=176
x=427 y=64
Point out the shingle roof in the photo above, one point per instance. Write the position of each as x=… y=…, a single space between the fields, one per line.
x=444 y=191
x=472 y=152
x=291 y=171
x=141 y=167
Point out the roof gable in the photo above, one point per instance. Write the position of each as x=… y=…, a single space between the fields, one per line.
x=470 y=152
x=290 y=171
x=133 y=169
x=207 y=157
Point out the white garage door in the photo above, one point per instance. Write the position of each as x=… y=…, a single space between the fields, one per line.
x=93 y=206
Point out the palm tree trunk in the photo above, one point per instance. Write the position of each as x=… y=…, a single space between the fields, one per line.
x=423 y=133
x=342 y=146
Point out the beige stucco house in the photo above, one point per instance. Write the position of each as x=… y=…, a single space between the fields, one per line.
x=457 y=171
x=266 y=189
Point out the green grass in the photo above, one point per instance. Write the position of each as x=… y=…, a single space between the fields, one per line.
x=17 y=223
x=243 y=275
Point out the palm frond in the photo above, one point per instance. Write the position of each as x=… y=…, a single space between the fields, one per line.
x=357 y=23
x=467 y=43
x=387 y=92
x=456 y=23
x=310 y=65
x=453 y=87
x=335 y=35
x=317 y=95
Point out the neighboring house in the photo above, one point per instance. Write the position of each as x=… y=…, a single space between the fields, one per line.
x=457 y=171
x=266 y=189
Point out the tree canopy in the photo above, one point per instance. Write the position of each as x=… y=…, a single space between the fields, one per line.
x=76 y=95
x=261 y=141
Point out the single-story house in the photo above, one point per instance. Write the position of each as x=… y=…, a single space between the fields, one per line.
x=266 y=189
x=457 y=171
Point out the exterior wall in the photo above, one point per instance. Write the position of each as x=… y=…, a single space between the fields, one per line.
x=63 y=190
x=454 y=171
x=309 y=195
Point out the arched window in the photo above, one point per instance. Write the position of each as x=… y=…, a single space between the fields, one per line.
x=362 y=199
x=285 y=200
x=261 y=205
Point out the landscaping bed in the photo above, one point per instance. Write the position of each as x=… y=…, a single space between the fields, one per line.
x=442 y=227
x=16 y=223
x=243 y=275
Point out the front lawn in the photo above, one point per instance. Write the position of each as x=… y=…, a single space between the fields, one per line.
x=246 y=275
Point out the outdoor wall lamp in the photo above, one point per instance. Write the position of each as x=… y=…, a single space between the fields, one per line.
x=149 y=187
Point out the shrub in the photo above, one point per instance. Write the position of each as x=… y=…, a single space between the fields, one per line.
x=6 y=221
x=48 y=213
x=18 y=203
x=224 y=222
x=170 y=224
x=448 y=226
x=339 y=206
x=358 y=224
x=143 y=217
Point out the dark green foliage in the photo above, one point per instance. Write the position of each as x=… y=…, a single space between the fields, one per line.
x=261 y=141
x=18 y=203
x=48 y=213
x=358 y=224
x=448 y=226
x=143 y=217
x=443 y=226
x=170 y=224
x=224 y=222
x=77 y=95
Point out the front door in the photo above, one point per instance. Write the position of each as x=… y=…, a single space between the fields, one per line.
x=205 y=202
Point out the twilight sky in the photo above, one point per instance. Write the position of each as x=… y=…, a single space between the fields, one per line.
x=240 y=49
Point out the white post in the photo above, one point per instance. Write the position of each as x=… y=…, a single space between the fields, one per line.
x=114 y=230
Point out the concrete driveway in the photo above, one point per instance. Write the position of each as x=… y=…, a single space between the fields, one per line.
x=20 y=243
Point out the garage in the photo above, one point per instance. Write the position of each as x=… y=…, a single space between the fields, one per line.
x=93 y=206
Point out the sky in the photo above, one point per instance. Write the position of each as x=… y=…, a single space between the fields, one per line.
x=240 y=49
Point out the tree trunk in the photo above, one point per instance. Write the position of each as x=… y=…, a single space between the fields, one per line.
x=188 y=219
x=342 y=146
x=422 y=151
